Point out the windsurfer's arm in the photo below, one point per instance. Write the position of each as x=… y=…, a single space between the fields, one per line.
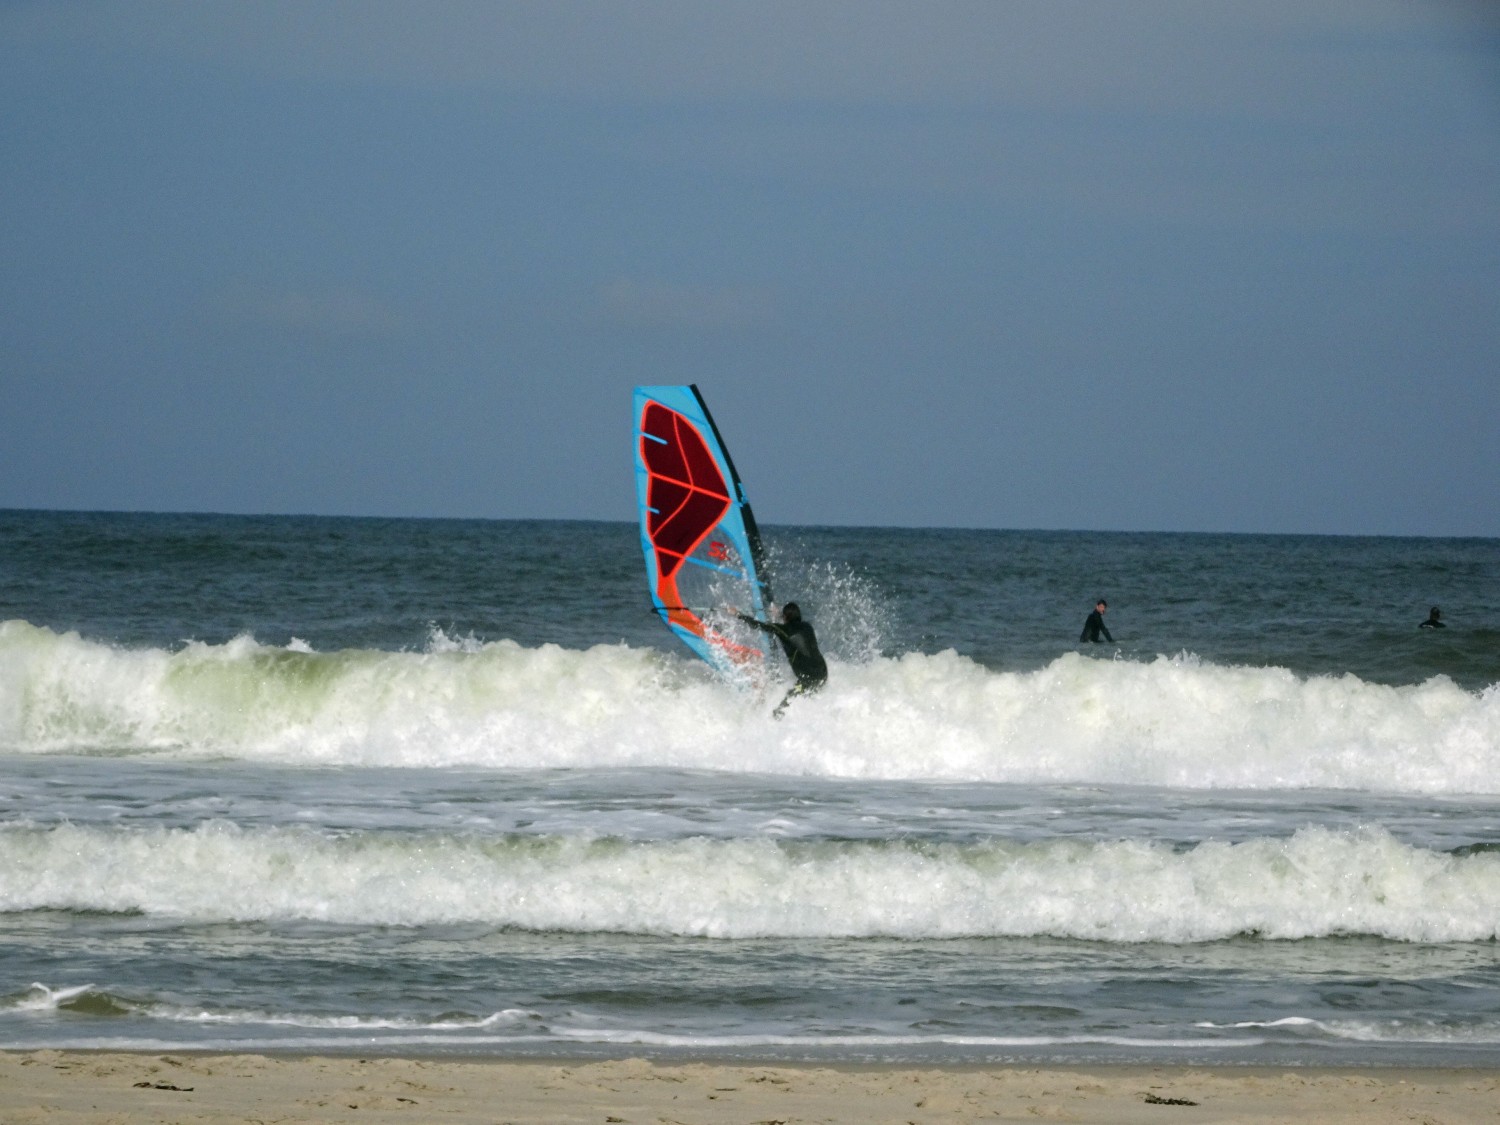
x=763 y=626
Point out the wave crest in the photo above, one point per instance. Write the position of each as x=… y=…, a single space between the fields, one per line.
x=1173 y=721
x=1317 y=883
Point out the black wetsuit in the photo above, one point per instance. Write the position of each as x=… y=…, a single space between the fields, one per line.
x=1432 y=623
x=1093 y=627
x=800 y=644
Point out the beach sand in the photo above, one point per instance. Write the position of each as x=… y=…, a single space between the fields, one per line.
x=63 y=1088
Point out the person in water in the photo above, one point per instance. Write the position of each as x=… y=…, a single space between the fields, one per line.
x=1434 y=619
x=1095 y=624
x=800 y=644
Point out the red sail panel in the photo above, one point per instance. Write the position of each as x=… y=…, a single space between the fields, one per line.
x=686 y=491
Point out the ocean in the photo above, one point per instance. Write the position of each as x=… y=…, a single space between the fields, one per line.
x=385 y=786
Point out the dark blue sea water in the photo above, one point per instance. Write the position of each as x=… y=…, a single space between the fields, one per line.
x=444 y=786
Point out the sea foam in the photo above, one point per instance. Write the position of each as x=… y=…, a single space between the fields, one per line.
x=1171 y=721
x=1318 y=882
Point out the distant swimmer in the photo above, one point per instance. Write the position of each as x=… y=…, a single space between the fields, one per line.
x=1434 y=619
x=800 y=644
x=1095 y=625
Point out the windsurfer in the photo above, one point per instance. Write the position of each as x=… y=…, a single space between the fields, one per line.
x=800 y=644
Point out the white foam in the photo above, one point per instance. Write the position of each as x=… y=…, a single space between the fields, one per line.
x=886 y=1042
x=40 y=998
x=1173 y=721
x=1317 y=883
x=1484 y=1032
x=511 y=1017
x=513 y=1026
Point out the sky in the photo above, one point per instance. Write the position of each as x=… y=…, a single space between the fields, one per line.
x=1154 y=265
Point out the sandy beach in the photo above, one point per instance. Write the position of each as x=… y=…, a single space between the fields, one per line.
x=94 y=1088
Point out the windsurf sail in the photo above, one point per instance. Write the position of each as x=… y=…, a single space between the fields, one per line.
x=702 y=547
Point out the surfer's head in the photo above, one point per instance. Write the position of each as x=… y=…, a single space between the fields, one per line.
x=1101 y=605
x=791 y=613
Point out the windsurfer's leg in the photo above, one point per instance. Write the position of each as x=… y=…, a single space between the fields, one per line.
x=785 y=699
x=801 y=687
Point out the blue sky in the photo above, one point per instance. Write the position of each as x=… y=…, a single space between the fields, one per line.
x=1038 y=264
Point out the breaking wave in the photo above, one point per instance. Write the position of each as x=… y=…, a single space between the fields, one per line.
x=1172 y=721
x=1316 y=883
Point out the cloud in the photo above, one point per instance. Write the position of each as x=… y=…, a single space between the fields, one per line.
x=652 y=304
x=1288 y=113
x=1150 y=55
x=333 y=312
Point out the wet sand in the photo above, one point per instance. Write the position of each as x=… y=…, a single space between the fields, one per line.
x=102 y=1088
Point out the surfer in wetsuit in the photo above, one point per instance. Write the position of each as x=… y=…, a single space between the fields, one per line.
x=1434 y=620
x=1095 y=625
x=800 y=644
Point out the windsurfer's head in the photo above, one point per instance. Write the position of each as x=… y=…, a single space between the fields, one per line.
x=791 y=613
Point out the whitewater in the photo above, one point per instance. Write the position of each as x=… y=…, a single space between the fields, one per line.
x=299 y=783
x=1173 y=721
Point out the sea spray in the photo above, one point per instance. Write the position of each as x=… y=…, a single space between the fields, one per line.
x=854 y=618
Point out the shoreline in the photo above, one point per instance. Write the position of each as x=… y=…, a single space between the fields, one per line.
x=95 y=1087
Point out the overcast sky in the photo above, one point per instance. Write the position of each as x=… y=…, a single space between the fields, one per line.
x=1145 y=265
